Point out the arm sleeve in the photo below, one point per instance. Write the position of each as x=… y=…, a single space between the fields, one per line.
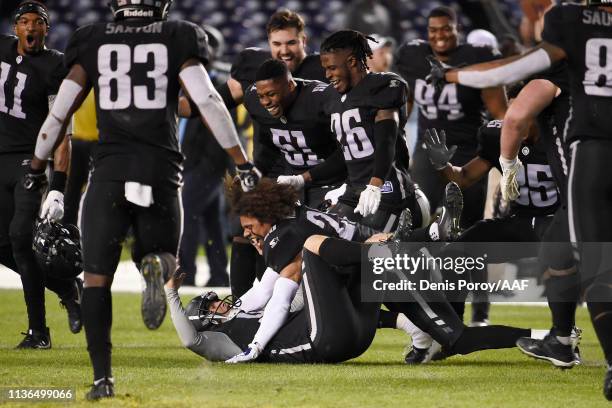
x=258 y=296
x=276 y=311
x=330 y=168
x=385 y=135
x=185 y=330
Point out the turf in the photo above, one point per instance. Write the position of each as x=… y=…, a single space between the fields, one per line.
x=151 y=368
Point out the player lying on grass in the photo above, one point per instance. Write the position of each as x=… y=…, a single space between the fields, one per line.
x=221 y=334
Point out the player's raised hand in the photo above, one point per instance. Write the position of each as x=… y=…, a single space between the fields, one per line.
x=53 y=206
x=435 y=144
x=509 y=182
x=437 y=73
x=249 y=176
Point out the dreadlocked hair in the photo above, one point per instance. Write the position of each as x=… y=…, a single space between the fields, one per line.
x=268 y=202
x=351 y=40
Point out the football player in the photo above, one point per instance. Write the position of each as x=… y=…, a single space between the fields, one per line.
x=545 y=99
x=136 y=66
x=278 y=228
x=289 y=112
x=287 y=41
x=368 y=113
x=458 y=110
x=586 y=49
x=30 y=76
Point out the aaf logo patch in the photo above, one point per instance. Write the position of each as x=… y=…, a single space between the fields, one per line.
x=394 y=83
x=386 y=188
x=274 y=242
x=525 y=150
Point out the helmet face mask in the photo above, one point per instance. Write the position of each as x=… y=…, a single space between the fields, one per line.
x=142 y=9
x=57 y=249
x=201 y=314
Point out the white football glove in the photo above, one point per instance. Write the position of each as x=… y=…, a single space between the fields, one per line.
x=251 y=353
x=333 y=195
x=369 y=200
x=509 y=183
x=53 y=206
x=296 y=182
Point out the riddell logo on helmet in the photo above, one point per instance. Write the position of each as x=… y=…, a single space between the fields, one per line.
x=138 y=13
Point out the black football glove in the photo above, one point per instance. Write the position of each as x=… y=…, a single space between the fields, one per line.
x=34 y=180
x=435 y=144
x=249 y=176
x=437 y=73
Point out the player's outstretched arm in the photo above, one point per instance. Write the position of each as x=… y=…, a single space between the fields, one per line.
x=71 y=94
x=276 y=311
x=440 y=156
x=198 y=86
x=528 y=104
x=507 y=70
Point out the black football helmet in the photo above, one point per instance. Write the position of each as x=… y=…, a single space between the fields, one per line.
x=58 y=248
x=201 y=317
x=154 y=9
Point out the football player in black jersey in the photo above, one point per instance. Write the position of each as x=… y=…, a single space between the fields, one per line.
x=587 y=51
x=368 y=113
x=292 y=121
x=287 y=40
x=278 y=227
x=136 y=171
x=30 y=76
x=545 y=99
x=458 y=110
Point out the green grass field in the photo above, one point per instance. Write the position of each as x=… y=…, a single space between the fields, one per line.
x=152 y=369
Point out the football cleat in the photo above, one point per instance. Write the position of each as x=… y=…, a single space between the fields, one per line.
x=421 y=356
x=479 y=323
x=102 y=388
x=73 y=307
x=35 y=339
x=448 y=223
x=404 y=227
x=153 y=306
x=549 y=349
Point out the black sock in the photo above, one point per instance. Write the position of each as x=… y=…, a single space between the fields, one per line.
x=6 y=257
x=459 y=308
x=488 y=337
x=562 y=293
x=340 y=252
x=242 y=267
x=387 y=320
x=97 y=309
x=32 y=279
x=600 y=309
x=65 y=289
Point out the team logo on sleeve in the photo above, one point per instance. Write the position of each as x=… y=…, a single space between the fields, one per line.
x=386 y=188
x=273 y=242
x=394 y=83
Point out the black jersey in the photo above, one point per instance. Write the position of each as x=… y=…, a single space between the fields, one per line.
x=303 y=135
x=538 y=194
x=134 y=68
x=291 y=344
x=249 y=60
x=352 y=120
x=286 y=238
x=457 y=109
x=26 y=83
x=552 y=124
x=588 y=45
